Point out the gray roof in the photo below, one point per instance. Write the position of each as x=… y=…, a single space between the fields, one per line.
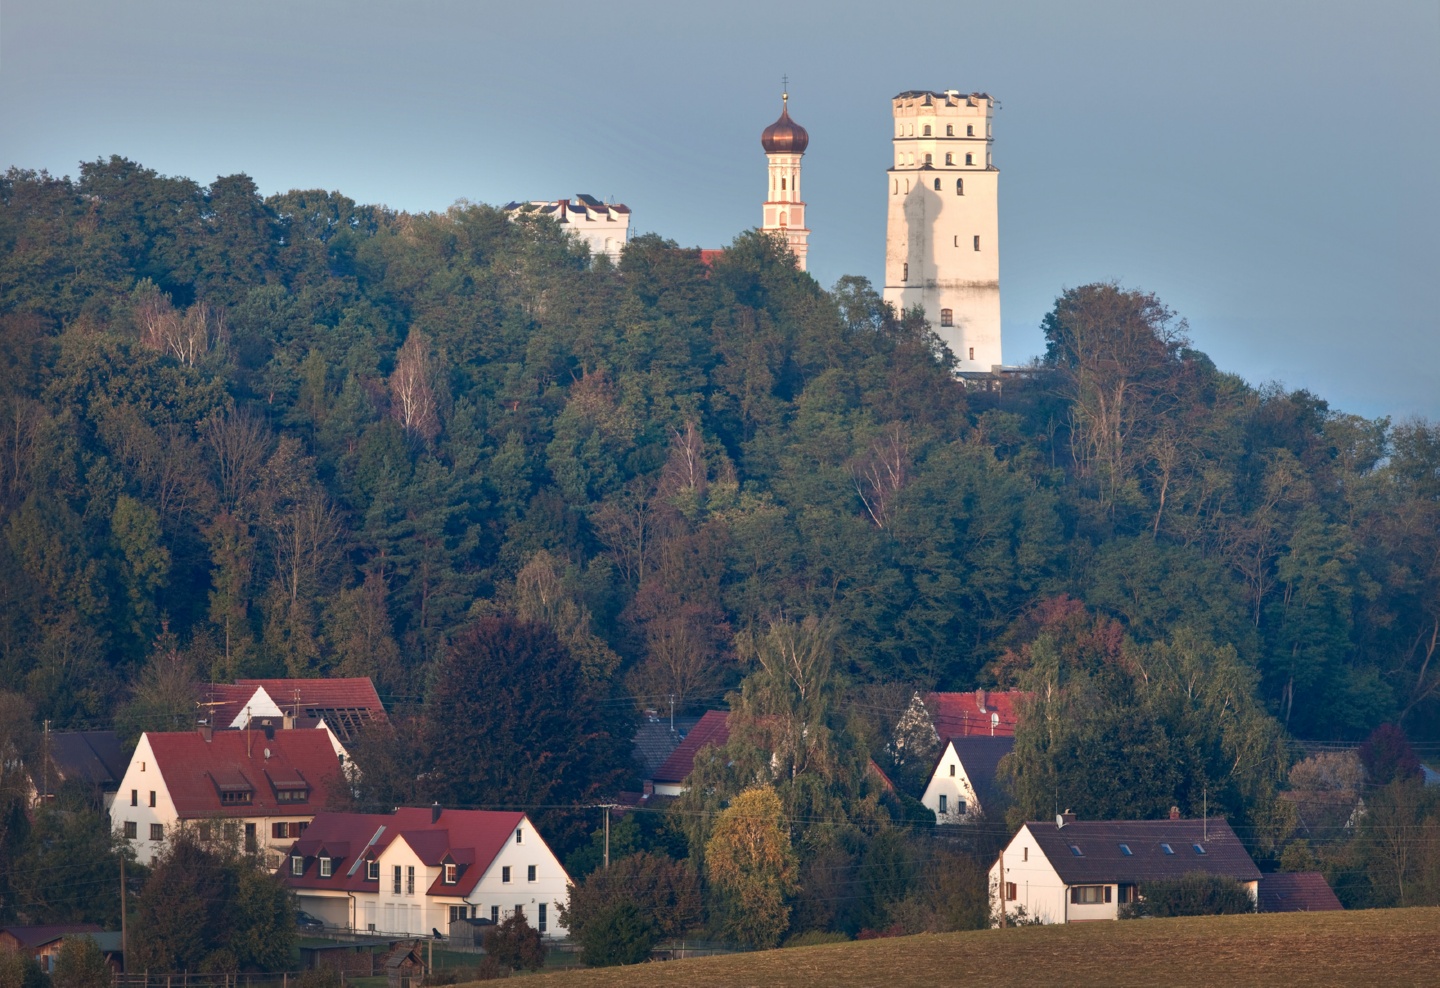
x=1102 y=859
x=654 y=741
x=980 y=758
x=90 y=756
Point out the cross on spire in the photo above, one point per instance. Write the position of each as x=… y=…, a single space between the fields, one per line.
x=785 y=88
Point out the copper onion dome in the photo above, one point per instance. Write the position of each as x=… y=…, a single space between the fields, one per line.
x=785 y=136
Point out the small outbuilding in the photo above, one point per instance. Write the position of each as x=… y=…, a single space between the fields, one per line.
x=1297 y=892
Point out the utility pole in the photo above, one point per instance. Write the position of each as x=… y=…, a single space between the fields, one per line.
x=123 y=944
x=607 y=807
x=672 y=713
x=1003 y=923
x=45 y=764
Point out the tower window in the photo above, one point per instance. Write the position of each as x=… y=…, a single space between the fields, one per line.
x=969 y=159
x=926 y=132
x=947 y=318
x=949 y=159
x=949 y=130
x=782 y=185
x=785 y=221
x=959 y=186
x=896 y=191
x=972 y=353
x=977 y=241
x=969 y=130
x=937 y=185
x=927 y=159
x=905 y=271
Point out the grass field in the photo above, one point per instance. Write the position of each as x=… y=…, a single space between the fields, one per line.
x=1294 y=950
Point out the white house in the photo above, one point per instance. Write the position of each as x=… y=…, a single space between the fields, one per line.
x=604 y=227
x=259 y=786
x=419 y=870
x=1070 y=871
x=964 y=787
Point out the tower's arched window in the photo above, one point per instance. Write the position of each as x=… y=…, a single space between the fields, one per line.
x=949 y=159
x=926 y=132
x=947 y=317
x=969 y=130
x=969 y=159
x=896 y=191
x=782 y=185
x=927 y=159
x=905 y=271
x=959 y=186
x=949 y=130
x=937 y=185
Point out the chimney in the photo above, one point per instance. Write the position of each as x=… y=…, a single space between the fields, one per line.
x=435 y=812
x=269 y=731
x=207 y=732
x=980 y=700
x=1061 y=819
x=1174 y=812
x=564 y=205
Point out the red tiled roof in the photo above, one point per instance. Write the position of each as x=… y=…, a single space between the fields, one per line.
x=345 y=704
x=709 y=256
x=713 y=729
x=1296 y=892
x=470 y=838
x=977 y=714
x=224 y=701
x=330 y=694
x=196 y=770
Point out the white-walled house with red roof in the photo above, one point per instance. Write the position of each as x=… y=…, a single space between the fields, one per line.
x=419 y=870
x=339 y=707
x=259 y=787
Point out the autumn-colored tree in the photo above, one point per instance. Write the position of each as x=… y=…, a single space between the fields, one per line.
x=751 y=865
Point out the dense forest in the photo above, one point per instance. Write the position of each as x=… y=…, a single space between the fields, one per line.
x=249 y=436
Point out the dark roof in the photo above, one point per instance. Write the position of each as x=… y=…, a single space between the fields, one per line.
x=921 y=93
x=1101 y=858
x=1296 y=892
x=785 y=136
x=34 y=937
x=981 y=713
x=980 y=757
x=91 y=756
x=713 y=729
x=197 y=769
x=469 y=838
x=654 y=741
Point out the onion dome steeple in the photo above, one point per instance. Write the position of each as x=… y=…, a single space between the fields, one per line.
x=785 y=136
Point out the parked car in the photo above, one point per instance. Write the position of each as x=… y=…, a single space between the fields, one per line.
x=307 y=922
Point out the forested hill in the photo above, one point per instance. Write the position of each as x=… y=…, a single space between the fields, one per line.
x=298 y=436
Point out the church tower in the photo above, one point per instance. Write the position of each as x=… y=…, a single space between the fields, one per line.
x=942 y=243
x=785 y=142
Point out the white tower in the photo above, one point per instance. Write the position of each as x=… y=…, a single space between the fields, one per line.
x=942 y=244
x=785 y=142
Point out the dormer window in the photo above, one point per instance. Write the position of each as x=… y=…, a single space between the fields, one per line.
x=372 y=870
x=294 y=795
x=236 y=797
x=297 y=864
x=451 y=873
x=327 y=865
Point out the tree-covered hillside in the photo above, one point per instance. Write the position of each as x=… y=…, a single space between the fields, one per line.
x=300 y=436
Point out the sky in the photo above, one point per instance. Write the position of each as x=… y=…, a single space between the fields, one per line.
x=1271 y=170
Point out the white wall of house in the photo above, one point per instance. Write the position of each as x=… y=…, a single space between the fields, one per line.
x=1038 y=887
x=548 y=887
x=951 y=795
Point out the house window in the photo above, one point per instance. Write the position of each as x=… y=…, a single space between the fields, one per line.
x=947 y=318
x=456 y=913
x=937 y=185
x=927 y=159
x=494 y=914
x=977 y=241
x=520 y=909
x=969 y=159
x=250 y=843
x=152 y=797
x=130 y=829
x=1024 y=854
x=279 y=831
x=926 y=131
x=1127 y=893
x=1167 y=849
x=1075 y=850
x=543 y=919
x=397 y=880
x=449 y=874
x=969 y=130
x=960 y=807
x=972 y=353
x=410 y=880
x=1198 y=848
x=327 y=866
x=1089 y=895
x=291 y=795
x=1125 y=850
x=949 y=130
x=519 y=835
x=157 y=831
x=505 y=874
x=297 y=864
x=530 y=874
x=372 y=870
x=949 y=159
x=905 y=271
x=942 y=804
x=232 y=832
x=134 y=797
x=1011 y=891
x=959 y=186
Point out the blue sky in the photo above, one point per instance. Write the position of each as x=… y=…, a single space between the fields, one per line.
x=1269 y=169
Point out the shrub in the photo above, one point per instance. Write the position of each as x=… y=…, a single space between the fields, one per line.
x=814 y=938
x=617 y=933
x=80 y=965
x=1196 y=894
x=515 y=944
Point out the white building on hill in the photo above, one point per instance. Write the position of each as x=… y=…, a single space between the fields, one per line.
x=605 y=227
